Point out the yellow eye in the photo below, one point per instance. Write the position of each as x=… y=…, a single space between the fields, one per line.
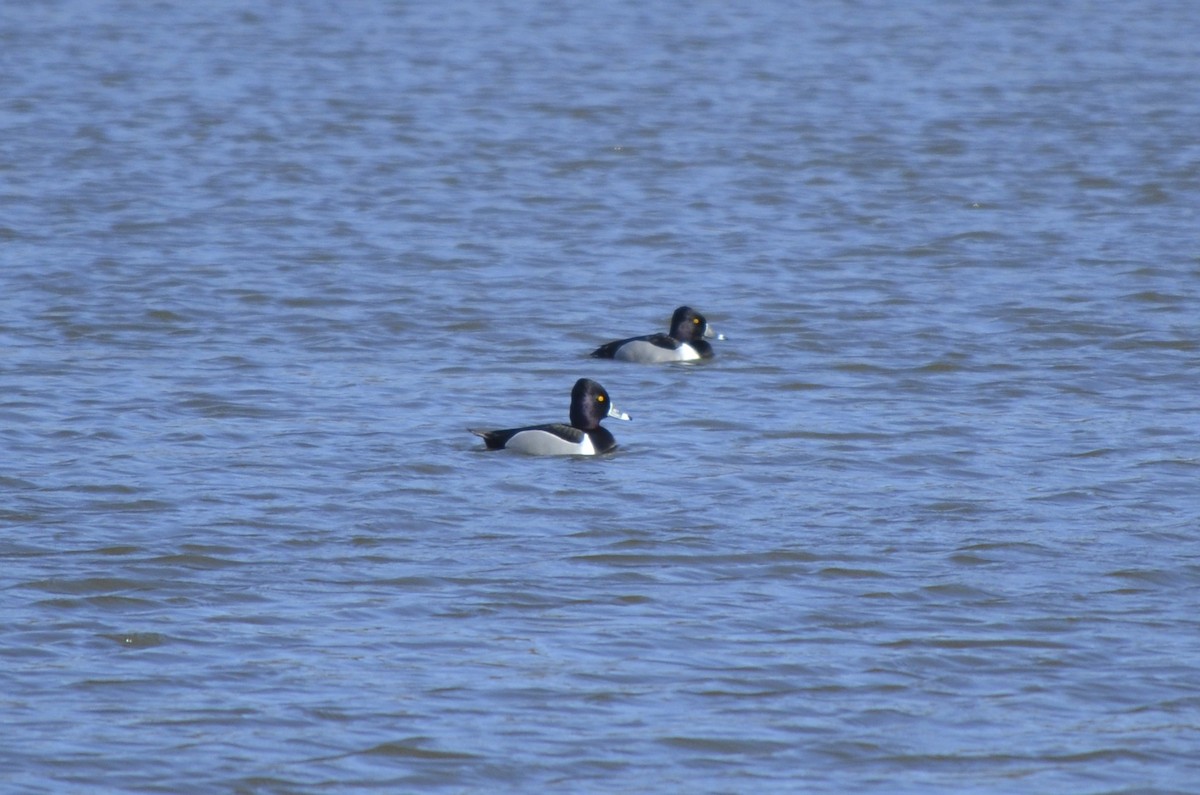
x=695 y=321
x=600 y=398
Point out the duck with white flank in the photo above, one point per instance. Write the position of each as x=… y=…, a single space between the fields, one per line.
x=685 y=342
x=590 y=403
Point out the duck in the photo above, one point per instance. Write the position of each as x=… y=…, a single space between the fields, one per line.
x=590 y=403
x=684 y=343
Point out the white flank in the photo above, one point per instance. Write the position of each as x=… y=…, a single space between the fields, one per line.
x=647 y=352
x=543 y=443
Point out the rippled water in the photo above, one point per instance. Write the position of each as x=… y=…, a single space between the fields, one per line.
x=928 y=522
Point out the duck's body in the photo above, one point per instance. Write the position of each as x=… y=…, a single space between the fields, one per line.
x=590 y=403
x=684 y=343
x=654 y=348
x=551 y=439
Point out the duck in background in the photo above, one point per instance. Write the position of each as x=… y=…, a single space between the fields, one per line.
x=684 y=343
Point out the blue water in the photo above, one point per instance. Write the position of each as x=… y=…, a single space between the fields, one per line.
x=928 y=522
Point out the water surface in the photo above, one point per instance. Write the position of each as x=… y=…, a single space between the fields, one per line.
x=927 y=523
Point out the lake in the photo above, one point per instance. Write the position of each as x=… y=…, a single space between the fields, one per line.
x=929 y=521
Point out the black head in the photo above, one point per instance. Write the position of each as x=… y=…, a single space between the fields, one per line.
x=590 y=403
x=687 y=324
